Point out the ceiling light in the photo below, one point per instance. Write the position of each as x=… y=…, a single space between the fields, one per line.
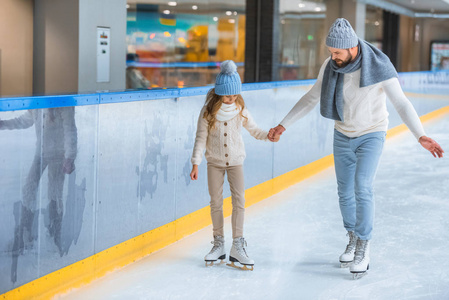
x=166 y=12
x=317 y=9
x=215 y=19
x=228 y=13
x=301 y=5
x=194 y=7
x=172 y=3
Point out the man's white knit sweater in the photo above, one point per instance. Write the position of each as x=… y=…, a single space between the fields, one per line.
x=365 y=109
x=224 y=144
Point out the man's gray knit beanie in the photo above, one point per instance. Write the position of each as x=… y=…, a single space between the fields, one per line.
x=341 y=35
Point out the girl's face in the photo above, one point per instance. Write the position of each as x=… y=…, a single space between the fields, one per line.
x=229 y=99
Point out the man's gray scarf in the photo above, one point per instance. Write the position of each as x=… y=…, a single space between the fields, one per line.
x=376 y=67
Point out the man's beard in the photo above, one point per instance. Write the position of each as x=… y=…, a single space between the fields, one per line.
x=343 y=63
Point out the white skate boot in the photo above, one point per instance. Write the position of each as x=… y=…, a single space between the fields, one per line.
x=348 y=256
x=361 y=259
x=217 y=252
x=238 y=254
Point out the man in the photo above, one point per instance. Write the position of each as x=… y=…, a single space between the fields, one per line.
x=352 y=87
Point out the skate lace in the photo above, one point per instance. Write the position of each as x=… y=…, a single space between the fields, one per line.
x=360 y=251
x=352 y=242
x=215 y=247
x=241 y=247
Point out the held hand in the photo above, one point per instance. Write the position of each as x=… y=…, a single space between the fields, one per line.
x=275 y=133
x=194 y=173
x=272 y=137
x=432 y=146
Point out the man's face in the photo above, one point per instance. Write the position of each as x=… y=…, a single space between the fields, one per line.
x=342 y=57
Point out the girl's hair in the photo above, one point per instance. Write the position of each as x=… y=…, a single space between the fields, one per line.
x=213 y=104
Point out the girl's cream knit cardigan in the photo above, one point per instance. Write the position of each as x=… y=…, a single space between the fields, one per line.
x=224 y=144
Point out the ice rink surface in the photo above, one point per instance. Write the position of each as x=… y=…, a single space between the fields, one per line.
x=296 y=237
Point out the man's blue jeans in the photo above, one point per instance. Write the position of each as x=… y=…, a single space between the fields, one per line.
x=356 y=162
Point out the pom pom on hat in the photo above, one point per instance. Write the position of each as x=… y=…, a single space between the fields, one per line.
x=341 y=35
x=228 y=80
x=228 y=67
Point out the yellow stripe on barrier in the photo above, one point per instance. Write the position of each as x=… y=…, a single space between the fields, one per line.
x=87 y=270
x=427 y=96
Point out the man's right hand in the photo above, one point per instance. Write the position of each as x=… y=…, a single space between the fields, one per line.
x=275 y=133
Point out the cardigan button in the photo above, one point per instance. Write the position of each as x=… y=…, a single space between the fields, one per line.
x=225 y=134
x=227 y=164
x=225 y=124
x=226 y=155
x=225 y=145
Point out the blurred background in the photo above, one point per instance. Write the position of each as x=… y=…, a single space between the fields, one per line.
x=50 y=47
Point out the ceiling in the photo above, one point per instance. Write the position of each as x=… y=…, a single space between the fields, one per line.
x=407 y=7
x=424 y=6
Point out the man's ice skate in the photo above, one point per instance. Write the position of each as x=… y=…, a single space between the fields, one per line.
x=348 y=256
x=361 y=259
x=217 y=252
x=239 y=255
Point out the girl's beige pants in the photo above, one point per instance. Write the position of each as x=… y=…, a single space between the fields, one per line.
x=215 y=179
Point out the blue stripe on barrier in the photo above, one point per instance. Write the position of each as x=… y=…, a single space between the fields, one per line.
x=22 y=103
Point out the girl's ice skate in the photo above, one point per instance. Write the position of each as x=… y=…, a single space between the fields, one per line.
x=348 y=256
x=217 y=252
x=238 y=254
x=361 y=259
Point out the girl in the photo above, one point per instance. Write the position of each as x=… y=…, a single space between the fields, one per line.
x=219 y=126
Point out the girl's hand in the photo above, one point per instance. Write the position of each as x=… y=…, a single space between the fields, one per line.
x=274 y=139
x=275 y=133
x=194 y=173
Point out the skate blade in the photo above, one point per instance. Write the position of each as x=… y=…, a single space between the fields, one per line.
x=345 y=264
x=210 y=263
x=357 y=276
x=244 y=268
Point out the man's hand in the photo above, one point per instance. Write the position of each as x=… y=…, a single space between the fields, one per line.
x=194 y=173
x=432 y=146
x=274 y=139
x=275 y=133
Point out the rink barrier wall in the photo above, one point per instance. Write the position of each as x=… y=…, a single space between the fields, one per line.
x=86 y=271
x=283 y=175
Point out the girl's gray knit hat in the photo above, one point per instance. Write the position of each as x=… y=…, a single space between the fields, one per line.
x=341 y=35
